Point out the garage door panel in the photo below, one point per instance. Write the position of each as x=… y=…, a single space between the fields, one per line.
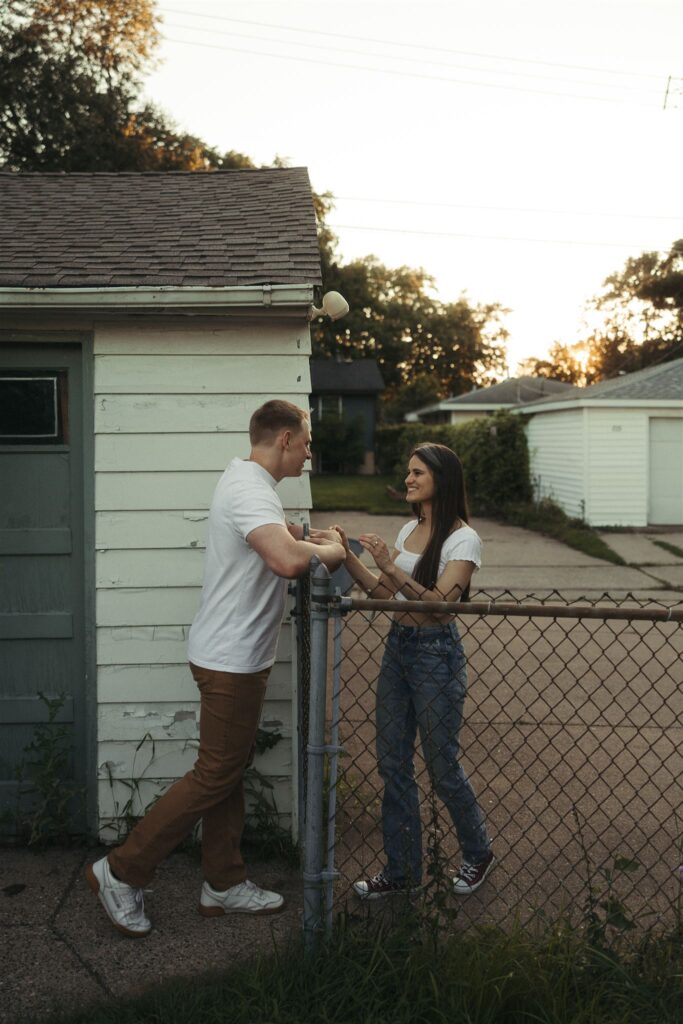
x=666 y=471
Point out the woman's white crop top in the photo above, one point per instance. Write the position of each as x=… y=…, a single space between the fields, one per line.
x=463 y=545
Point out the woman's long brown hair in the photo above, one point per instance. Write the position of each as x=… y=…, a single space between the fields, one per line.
x=449 y=505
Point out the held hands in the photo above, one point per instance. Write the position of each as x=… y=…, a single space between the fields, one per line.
x=375 y=546
x=331 y=536
x=344 y=538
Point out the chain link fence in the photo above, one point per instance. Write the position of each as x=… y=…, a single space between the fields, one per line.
x=571 y=736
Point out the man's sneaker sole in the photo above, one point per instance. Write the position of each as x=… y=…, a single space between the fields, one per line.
x=95 y=886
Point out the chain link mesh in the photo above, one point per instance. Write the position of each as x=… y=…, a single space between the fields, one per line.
x=572 y=738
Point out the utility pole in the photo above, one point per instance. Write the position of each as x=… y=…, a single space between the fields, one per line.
x=673 y=92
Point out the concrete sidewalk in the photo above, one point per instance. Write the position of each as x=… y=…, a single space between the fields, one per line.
x=58 y=948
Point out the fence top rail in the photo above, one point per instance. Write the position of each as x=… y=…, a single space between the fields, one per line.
x=505 y=608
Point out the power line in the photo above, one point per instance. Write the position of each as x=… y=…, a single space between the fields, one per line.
x=407 y=74
x=419 y=46
x=417 y=60
x=509 y=209
x=492 y=238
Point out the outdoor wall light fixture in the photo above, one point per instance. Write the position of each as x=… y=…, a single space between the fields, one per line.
x=334 y=305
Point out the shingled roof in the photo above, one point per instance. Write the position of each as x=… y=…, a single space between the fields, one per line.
x=217 y=229
x=507 y=393
x=655 y=383
x=341 y=377
x=512 y=391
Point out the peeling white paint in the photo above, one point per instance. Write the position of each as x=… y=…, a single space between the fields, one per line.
x=184 y=716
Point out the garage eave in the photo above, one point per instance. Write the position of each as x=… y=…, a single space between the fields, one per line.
x=157 y=298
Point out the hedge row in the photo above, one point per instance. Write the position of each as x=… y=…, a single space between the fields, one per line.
x=493 y=451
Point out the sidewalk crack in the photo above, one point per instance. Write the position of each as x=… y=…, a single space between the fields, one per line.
x=64 y=937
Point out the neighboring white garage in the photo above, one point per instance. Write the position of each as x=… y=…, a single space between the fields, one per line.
x=612 y=453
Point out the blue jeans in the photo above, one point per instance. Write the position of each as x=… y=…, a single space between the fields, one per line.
x=422 y=684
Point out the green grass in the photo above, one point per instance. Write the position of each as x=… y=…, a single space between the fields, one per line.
x=367 y=976
x=671 y=548
x=356 y=494
x=368 y=494
x=547 y=518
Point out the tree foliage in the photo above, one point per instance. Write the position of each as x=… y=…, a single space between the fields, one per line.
x=415 y=394
x=638 y=319
x=395 y=318
x=70 y=79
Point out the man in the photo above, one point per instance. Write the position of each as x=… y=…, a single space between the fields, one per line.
x=251 y=551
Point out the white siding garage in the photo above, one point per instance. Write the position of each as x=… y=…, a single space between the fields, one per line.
x=616 y=466
x=557 y=459
x=172 y=306
x=612 y=453
x=172 y=406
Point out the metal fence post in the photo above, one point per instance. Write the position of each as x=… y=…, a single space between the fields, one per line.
x=330 y=874
x=313 y=844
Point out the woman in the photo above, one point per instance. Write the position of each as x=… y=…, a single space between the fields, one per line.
x=423 y=677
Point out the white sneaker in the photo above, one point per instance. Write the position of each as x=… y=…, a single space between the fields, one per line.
x=243 y=898
x=124 y=905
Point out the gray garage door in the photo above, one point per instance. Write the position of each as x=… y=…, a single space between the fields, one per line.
x=41 y=550
x=666 y=471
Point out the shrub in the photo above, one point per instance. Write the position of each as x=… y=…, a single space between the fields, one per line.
x=339 y=444
x=493 y=450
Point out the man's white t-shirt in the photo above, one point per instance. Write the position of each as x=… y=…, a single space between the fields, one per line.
x=463 y=545
x=242 y=601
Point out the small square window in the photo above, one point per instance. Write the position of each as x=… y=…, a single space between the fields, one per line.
x=33 y=407
x=330 y=406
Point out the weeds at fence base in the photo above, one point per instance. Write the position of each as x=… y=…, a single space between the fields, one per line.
x=367 y=974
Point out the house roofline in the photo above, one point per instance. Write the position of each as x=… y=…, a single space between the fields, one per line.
x=472 y=407
x=599 y=403
x=154 y=298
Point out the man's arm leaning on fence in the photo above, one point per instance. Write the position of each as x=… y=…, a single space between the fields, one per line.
x=288 y=557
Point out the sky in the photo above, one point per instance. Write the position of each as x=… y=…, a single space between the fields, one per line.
x=518 y=150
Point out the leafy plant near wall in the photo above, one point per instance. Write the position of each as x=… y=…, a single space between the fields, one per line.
x=263 y=833
x=48 y=800
x=125 y=815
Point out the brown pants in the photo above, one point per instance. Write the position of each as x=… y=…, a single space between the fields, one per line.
x=230 y=712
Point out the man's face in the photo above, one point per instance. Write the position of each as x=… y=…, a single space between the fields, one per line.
x=298 y=449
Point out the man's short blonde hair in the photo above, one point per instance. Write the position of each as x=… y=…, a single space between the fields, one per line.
x=267 y=422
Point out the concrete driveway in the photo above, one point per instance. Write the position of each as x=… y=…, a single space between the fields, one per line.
x=525 y=562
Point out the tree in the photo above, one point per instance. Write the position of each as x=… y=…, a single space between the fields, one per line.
x=70 y=78
x=638 y=322
x=642 y=307
x=395 y=318
x=564 y=362
x=404 y=398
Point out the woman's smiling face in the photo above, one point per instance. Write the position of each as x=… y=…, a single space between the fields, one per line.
x=419 y=481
